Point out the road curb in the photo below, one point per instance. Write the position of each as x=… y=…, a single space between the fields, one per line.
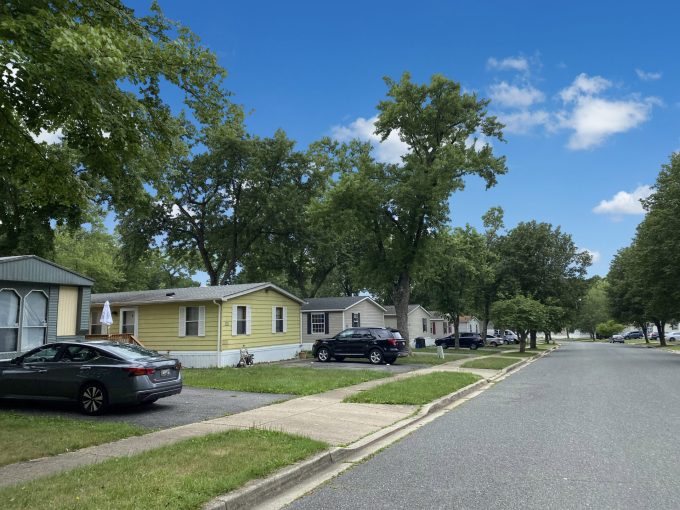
x=258 y=491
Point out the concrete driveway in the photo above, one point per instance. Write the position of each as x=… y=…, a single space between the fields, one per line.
x=190 y=406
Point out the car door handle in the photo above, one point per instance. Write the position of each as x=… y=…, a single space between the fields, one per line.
x=40 y=371
x=85 y=368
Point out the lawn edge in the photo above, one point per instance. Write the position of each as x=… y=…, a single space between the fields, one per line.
x=258 y=491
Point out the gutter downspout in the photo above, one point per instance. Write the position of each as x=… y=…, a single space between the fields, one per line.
x=219 y=332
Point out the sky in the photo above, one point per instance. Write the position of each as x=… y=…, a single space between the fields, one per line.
x=587 y=91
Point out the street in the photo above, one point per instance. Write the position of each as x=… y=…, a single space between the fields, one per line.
x=589 y=426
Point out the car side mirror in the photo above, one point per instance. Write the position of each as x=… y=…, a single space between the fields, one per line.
x=17 y=361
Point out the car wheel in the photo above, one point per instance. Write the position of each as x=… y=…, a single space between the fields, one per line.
x=494 y=344
x=149 y=402
x=445 y=346
x=92 y=399
x=323 y=354
x=375 y=356
x=339 y=358
x=473 y=347
x=391 y=361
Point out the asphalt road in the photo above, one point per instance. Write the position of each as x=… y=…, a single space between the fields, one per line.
x=192 y=405
x=589 y=426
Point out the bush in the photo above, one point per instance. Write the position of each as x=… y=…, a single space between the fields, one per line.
x=609 y=328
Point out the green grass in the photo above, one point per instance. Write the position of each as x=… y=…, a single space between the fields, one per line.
x=490 y=363
x=431 y=359
x=527 y=354
x=277 y=379
x=416 y=390
x=181 y=476
x=27 y=437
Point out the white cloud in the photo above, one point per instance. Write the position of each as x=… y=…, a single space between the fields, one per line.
x=624 y=202
x=648 y=76
x=594 y=254
x=524 y=121
x=389 y=151
x=584 y=85
x=515 y=97
x=513 y=63
x=594 y=119
x=49 y=137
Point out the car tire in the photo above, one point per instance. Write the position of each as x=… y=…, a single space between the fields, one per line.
x=323 y=354
x=376 y=357
x=92 y=399
x=339 y=358
x=473 y=347
x=147 y=403
x=445 y=346
x=391 y=360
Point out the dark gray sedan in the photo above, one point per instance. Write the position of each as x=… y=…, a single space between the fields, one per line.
x=94 y=374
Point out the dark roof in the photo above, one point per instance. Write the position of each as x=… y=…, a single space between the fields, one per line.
x=31 y=268
x=186 y=294
x=391 y=310
x=330 y=304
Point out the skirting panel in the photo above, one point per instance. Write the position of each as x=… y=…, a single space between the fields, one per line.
x=229 y=358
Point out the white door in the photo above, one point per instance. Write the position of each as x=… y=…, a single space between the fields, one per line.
x=128 y=321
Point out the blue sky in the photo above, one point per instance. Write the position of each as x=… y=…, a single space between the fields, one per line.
x=588 y=91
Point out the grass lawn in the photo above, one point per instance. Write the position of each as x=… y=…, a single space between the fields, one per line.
x=180 y=476
x=527 y=354
x=416 y=390
x=27 y=437
x=431 y=359
x=277 y=379
x=490 y=363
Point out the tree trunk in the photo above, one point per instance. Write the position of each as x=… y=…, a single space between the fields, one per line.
x=660 y=327
x=546 y=337
x=567 y=333
x=532 y=344
x=522 y=340
x=402 y=295
x=456 y=332
x=485 y=325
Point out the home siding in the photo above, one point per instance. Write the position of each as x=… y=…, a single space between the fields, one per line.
x=261 y=303
x=334 y=327
x=371 y=315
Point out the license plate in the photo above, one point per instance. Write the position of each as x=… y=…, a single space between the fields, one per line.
x=165 y=372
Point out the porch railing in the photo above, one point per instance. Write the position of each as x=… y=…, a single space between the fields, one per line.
x=118 y=337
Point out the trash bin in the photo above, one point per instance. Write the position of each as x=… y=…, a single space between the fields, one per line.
x=420 y=342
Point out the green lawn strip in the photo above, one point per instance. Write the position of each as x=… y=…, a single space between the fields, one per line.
x=184 y=475
x=277 y=379
x=527 y=354
x=27 y=437
x=431 y=359
x=491 y=363
x=416 y=390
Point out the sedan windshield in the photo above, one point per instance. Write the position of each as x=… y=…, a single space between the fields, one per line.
x=131 y=351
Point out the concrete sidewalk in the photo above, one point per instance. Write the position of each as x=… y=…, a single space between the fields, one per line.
x=322 y=416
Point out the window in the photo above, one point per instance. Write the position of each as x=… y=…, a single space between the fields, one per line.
x=35 y=320
x=9 y=320
x=434 y=328
x=46 y=354
x=318 y=323
x=241 y=320
x=78 y=354
x=424 y=325
x=356 y=320
x=191 y=322
x=128 y=321
x=279 y=319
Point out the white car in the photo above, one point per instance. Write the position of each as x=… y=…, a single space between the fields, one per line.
x=672 y=336
x=617 y=339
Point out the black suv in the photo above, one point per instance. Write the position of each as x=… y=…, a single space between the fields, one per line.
x=377 y=344
x=471 y=340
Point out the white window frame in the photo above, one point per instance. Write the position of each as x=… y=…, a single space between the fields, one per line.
x=235 y=320
x=96 y=313
x=358 y=318
x=120 y=319
x=22 y=318
x=17 y=325
x=283 y=320
x=316 y=325
x=183 y=321
x=424 y=325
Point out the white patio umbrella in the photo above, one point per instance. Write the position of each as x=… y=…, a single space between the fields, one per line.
x=106 y=316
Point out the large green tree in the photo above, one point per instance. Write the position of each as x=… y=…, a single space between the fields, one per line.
x=399 y=207
x=522 y=314
x=81 y=113
x=625 y=290
x=593 y=307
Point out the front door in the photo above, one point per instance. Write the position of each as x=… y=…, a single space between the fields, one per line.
x=128 y=321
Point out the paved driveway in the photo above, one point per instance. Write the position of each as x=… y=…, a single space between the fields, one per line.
x=192 y=405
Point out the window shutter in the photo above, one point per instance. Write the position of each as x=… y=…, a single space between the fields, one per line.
x=358 y=318
x=273 y=319
x=326 y=325
x=234 y=316
x=182 y=321
x=248 y=321
x=201 y=321
x=285 y=319
x=309 y=323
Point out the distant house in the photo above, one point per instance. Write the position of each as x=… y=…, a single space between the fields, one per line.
x=418 y=322
x=328 y=316
x=469 y=324
x=206 y=326
x=40 y=302
x=439 y=325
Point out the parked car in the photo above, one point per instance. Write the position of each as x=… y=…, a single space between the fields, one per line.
x=672 y=336
x=471 y=340
x=495 y=340
x=93 y=374
x=509 y=337
x=617 y=339
x=633 y=334
x=655 y=336
x=377 y=344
